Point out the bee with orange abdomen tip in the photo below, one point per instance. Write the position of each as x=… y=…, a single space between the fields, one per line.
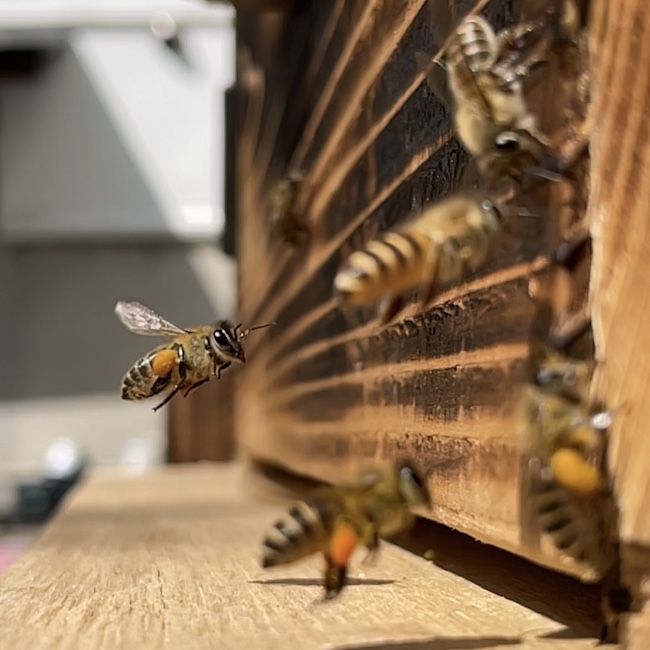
x=335 y=520
x=190 y=359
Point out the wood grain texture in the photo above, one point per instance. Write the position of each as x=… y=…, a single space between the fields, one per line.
x=170 y=560
x=327 y=391
x=620 y=291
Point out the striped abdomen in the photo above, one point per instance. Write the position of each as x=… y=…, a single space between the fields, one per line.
x=558 y=517
x=301 y=532
x=474 y=45
x=449 y=239
x=392 y=263
x=150 y=374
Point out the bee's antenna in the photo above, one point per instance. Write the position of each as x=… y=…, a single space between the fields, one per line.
x=250 y=329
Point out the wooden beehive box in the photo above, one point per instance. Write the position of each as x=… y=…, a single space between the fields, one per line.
x=332 y=88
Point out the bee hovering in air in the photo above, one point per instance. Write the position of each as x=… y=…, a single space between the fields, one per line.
x=190 y=359
x=288 y=220
x=445 y=242
x=334 y=520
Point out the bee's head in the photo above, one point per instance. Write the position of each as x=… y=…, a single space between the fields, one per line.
x=562 y=375
x=412 y=487
x=227 y=341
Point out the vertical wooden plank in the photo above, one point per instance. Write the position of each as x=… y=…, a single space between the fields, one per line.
x=620 y=290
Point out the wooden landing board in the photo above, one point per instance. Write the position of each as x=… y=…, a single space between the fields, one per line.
x=170 y=560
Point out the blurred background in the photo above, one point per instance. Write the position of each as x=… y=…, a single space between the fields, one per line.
x=112 y=150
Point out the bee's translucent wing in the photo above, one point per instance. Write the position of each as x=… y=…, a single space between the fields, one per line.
x=140 y=319
x=436 y=77
x=442 y=18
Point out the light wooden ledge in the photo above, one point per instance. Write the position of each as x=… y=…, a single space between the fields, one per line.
x=170 y=560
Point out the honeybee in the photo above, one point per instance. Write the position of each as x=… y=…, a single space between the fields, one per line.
x=287 y=218
x=445 y=242
x=190 y=359
x=334 y=520
x=483 y=86
x=565 y=477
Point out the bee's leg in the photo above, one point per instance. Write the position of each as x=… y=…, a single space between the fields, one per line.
x=430 y=275
x=334 y=578
x=370 y=539
x=176 y=389
x=567 y=330
x=193 y=386
x=390 y=308
x=565 y=250
x=526 y=48
x=223 y=366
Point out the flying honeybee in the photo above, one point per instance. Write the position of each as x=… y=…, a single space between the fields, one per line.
x=334 y=520
x=190 y=359
x=445 y=242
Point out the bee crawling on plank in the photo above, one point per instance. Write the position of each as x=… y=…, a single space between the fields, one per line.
x=190 y=359
x=444 y=243
x=335 y=520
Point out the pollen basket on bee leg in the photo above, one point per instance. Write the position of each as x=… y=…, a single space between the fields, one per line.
x=343 y=543
x=163 y=362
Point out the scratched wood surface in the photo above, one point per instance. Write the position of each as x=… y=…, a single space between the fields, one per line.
x=170 y=560
x=327 y=390
x=620 y=291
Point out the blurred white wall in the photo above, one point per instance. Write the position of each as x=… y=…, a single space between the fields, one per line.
x=111 y=187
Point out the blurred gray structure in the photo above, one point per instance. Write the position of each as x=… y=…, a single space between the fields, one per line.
x=111 y=187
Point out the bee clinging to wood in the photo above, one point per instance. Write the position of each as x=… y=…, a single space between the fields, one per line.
x=334 y=520
x=481 y=79
x=446 y=241
x=286 y=214
x=190 y=359
x=566 y=478
x=489 y=109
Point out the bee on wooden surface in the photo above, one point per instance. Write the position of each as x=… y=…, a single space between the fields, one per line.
x=481 y=79
x=489 y=109
x=334 y=520
x=287 y=218
x=190 y=359
x=444 y=243
x=566 y=481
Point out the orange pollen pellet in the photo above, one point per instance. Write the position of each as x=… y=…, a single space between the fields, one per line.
x=575 y=473
x=163 y=362
x=343 y=543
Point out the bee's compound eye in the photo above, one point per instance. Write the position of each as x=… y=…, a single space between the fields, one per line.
x=221 y=338
x=506 y=142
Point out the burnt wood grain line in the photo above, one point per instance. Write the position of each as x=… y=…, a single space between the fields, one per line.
x=359 y=21
x=329 y=19
x=400 y=369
